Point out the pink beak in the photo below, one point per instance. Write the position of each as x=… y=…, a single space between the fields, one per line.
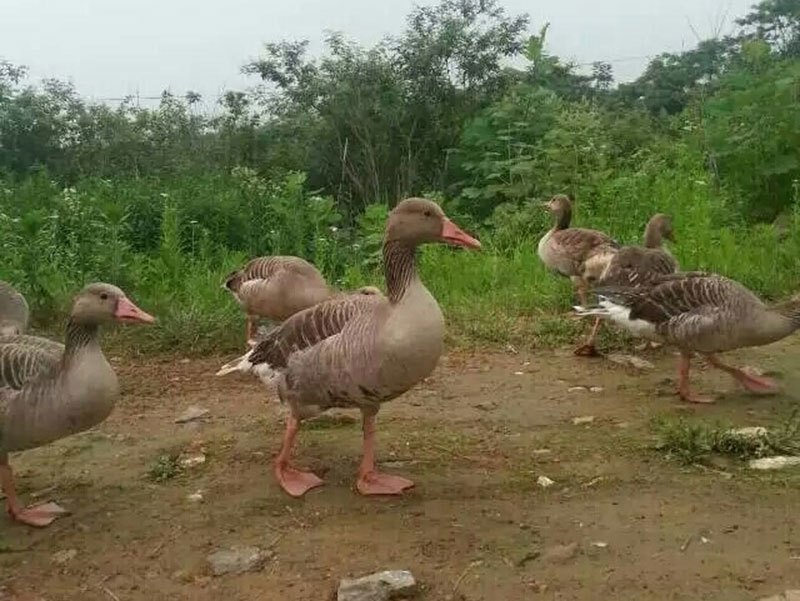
x=127 y=311
x=453 y=234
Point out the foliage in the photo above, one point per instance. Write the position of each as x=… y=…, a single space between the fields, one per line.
x=462 y=106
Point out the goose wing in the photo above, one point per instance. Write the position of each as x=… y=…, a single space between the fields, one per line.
x=24 y=358
x=302 y=331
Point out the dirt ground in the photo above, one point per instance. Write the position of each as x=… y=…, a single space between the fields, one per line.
x=475 y=437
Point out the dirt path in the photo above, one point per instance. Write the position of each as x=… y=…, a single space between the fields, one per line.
x=475 y=437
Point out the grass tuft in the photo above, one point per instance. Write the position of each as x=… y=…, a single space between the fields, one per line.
x=695 y=441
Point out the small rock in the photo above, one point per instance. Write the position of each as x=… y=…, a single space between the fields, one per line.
x=195 y=497
x=561 y=553
x=490 y=406
x=62 y=557
x=544 y=482
x=596 y=389
x=577 y=389
x=630 y=361
x=774 y=463
x=192 y=413
x=382 y=586
x=600 y=544
x=792 y=595
x=749 y=432
x=237 y=560
x=193 y=461
x=586 y=419
x=540 y=452
x=519 y=373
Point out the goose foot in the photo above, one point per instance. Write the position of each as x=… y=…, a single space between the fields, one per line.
x=587 y=350
x=370 y=480
x=296 y=482
x=691 y=397
x=683 y=382
x=377 y=483
x=753 y=383
x=39 y=516
x=757 y=384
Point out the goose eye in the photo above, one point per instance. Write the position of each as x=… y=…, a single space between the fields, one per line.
x=103 y=296
x=427 y=213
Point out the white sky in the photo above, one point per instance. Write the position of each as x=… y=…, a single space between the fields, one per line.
x=111 y=48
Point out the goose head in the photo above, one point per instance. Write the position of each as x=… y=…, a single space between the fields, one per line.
x=416 y=221
x=560 y=207
x=102 y=303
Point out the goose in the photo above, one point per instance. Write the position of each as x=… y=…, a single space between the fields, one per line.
x=359 y=351
x=49 y=391
x=13 y=311
x=701 y=313
x=570 y=251
x=633 y=266
x=275 y=288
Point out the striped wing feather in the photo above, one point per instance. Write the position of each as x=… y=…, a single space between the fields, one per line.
x=25 y=358
x=310 y=327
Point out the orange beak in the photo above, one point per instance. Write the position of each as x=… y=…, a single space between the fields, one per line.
x=127 y=311
x=452 y=234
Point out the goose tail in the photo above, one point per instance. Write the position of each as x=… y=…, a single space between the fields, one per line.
x=242 y=364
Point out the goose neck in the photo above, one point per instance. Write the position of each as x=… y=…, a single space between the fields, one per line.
x=652 y=236
x=399 y=268
x=563 y=217
x=79 y=337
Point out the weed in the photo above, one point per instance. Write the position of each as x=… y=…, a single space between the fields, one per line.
x=694 y=441
x=165 y=468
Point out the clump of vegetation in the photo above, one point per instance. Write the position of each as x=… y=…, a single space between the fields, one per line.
x=165 y=468
x=694 y=441
x=165 y=201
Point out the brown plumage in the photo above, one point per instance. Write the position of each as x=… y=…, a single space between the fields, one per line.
x=275 y=288
x=359 y=350
x=14 y=311
x=703 y=313
x=572 y=251
x=49 y=391
x=639 y=265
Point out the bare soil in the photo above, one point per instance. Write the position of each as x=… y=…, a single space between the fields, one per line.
x=475 y=437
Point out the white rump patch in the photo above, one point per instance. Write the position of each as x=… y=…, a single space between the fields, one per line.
x=621 y=316
x=263 y=371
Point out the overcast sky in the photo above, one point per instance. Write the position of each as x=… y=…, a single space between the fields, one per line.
x=112 y=48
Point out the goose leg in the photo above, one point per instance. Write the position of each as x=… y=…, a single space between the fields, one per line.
x=250 y=330
x=588 y=349
x=371 y=481
x=683 y=382
x=757 y=384
x=294 y=481
x=40 y=515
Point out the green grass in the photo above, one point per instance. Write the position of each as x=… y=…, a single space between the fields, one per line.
x=695 y=441
x=165 y=468
x=168 y=243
